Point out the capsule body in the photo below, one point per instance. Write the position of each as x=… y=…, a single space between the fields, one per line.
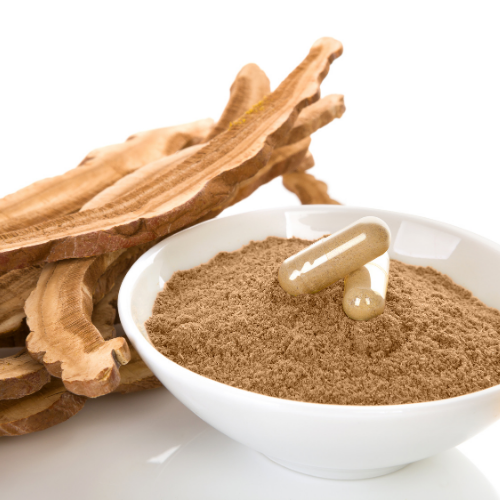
x=332 y=258
x=365 y=289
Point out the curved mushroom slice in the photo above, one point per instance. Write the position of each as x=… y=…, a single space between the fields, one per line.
x=51 y=405
x=308 y=189
x=202 y=183
x=63 y=337
x=16 y=286
x=317 y=115
x=66 y=193
x=21 y=375
x=249 y=87
x=60 y=314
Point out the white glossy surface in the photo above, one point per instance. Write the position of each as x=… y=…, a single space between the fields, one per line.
x=325 y=440
x=150 y=446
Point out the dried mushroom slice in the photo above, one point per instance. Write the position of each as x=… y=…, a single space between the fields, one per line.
x=61 y=316
x=51 y=405
x=308 y=189
x=249 y=87
x=66 y=193
x=202 y=183
x=21 y=375
x=63 y=337
x=317 y=115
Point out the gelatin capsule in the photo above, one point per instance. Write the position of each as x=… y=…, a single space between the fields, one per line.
x=332 y=258
x=365 y=289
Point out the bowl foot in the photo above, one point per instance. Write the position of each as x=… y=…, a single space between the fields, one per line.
x=341 y=474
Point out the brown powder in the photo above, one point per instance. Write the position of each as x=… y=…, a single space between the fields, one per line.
x=229 y=320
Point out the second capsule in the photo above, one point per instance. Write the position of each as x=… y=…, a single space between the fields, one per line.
x=332 y=258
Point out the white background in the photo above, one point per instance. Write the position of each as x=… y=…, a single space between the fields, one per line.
x=421 y=82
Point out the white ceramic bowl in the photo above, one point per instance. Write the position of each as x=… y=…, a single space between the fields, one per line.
x=332 y=441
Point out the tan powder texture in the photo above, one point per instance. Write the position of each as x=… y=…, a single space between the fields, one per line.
x=229 y=320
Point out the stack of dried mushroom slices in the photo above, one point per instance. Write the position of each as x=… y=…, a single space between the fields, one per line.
x=67 y=242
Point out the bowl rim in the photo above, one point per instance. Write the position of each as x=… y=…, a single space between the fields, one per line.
x=135 y=334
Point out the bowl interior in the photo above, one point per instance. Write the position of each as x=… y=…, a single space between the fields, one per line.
x=468 y=259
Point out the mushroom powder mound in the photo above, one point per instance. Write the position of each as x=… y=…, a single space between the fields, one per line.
x=229 y=320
